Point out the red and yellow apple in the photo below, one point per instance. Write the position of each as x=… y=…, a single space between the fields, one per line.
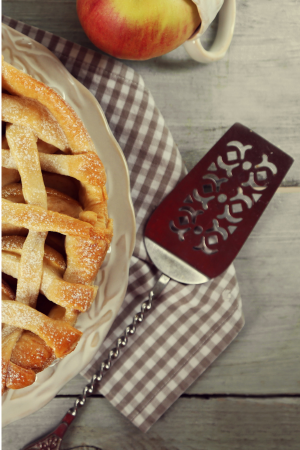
x=138 y=29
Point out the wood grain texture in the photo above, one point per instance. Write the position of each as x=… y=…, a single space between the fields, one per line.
x=257 y=84
x=190 y=424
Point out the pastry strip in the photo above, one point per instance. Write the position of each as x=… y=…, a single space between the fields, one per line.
x=57 y=290
x=30 y=113
x=22 y=143
x=57 y=334
x=86 y=168
x=19 y=83
x=37 y=219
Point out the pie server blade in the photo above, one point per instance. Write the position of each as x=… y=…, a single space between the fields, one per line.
x=200 y=227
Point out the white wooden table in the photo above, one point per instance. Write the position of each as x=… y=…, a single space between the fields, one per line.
x=250 y=397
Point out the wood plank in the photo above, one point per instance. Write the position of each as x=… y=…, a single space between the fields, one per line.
x=257 y=83
x=190 y=424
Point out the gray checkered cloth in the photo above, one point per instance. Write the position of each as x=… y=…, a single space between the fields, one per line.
x=188 y=326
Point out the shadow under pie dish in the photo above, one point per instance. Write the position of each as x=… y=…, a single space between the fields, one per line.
x=56 y=228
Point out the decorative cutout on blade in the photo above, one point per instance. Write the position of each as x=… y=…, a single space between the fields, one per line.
x=203 y=200
x=193 y=212
x=218 y=229
x=241 y=196
x=242 y=148
x=211 y=212
x=252 y=183
x=202 y=246
x=233 y=206
x=179 y=231
x=216 y=180
x=266 y=163
x=226 y=215
x=228 y=168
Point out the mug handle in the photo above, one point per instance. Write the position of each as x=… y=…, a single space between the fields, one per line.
x=223 y=38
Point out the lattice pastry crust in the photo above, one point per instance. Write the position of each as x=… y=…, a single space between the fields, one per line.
x=55 y=226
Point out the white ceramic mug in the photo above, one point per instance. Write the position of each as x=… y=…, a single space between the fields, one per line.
x=208 y=9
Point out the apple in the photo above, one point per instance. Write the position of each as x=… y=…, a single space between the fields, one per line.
x=138 y=29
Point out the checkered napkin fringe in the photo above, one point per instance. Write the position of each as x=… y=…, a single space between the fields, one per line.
x=188 y=326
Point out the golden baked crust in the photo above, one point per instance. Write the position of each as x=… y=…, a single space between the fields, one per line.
x=55 y=226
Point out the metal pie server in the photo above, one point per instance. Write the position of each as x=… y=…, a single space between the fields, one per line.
x=199 y=228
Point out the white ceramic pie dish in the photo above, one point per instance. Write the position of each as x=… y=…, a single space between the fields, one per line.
x=30 y=56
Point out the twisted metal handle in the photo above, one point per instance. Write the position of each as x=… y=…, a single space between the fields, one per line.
x=121 y=343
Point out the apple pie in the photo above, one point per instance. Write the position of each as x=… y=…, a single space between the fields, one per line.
x=55 y=226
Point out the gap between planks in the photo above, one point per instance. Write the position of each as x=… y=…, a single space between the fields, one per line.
x=288 y=189
x=207 y=396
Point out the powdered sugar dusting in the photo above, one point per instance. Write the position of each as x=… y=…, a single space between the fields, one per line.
x=29 y=112
x=38 y=119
